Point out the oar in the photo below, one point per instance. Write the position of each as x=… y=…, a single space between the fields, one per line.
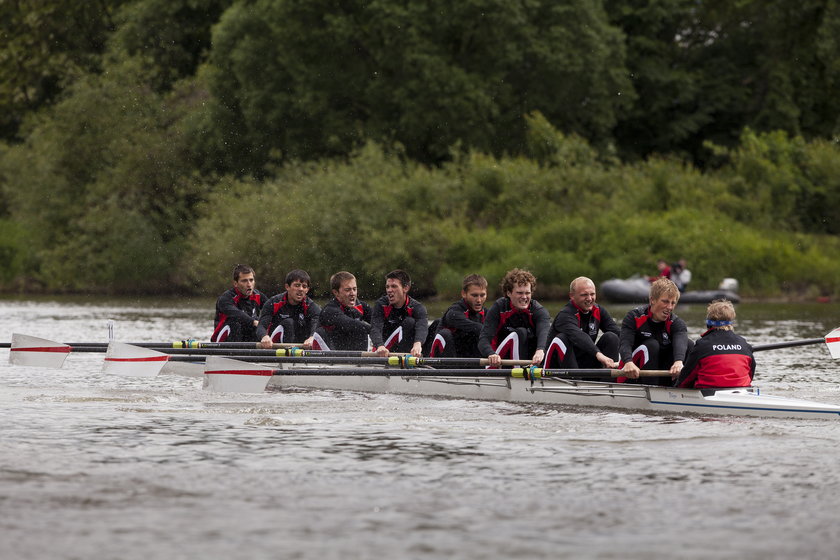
x=27 y=350
x=173 y=344
x=228 y=375
x=330 y=356
x=832 y=340
x=126 y=359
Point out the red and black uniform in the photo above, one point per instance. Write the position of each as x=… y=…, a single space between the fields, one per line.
x=235 y=316
x=720 y=358
x=530 y=325
x=573 y=335
x=459 y=329
x=651 y=344
x=285 y=322
x=388 y=319
x=345 y=328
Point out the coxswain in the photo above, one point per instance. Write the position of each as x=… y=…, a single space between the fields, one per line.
x=720 y=358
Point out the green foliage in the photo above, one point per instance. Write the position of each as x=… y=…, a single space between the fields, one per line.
x=13 y=253
x=292 y=140
x=46 y=45
x=784 y=183
x=103 y=187
x=286 y=77
x=573 y=216
x=170 y=37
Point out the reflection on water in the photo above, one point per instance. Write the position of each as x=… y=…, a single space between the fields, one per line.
x=136 y=468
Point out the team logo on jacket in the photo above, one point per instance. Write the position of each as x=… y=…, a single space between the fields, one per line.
x=593 y=329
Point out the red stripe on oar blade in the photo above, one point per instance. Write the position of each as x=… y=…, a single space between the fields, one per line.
x=147 y=359
x=62 y=349
x=264 y=372
x=832 y=339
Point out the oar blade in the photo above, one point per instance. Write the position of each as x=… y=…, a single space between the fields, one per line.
x=39 y=352
x=832 y=340
x=133 y=361
x=234 y=376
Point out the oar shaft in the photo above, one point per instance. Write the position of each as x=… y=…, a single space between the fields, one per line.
x=464 y=361
x=790 y=344
x=326 y=360
x=177 y=344
x=534 y=373
x=386 y=372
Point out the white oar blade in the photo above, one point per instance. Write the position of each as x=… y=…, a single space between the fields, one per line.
x=129 y=360
x=234 y=376
x=28 y=350
x=832 y=340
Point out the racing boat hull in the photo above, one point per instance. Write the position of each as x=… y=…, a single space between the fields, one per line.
x=743 y=401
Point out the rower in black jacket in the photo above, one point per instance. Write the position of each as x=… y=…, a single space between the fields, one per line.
x=573 y=340
x=516 y=326
x=456 y=333
x=399 y=323
x=653 y=338
x=238 y=309
x=291 y=316
x=344 y=321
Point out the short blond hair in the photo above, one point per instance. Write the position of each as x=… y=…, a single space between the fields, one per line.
x=720 y=311
x=662 y=287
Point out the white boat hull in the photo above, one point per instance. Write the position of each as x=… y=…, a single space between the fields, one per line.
x=742 y=402
x=747 y=401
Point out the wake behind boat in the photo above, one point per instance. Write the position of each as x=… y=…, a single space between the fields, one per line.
x=636 y=289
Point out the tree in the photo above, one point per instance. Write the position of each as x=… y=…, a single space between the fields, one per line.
x=170 y=37
x=307 y=79
x=706 y=70
x=46 y=45
x=103 y=186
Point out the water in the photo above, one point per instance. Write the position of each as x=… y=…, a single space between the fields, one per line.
x=93 y=466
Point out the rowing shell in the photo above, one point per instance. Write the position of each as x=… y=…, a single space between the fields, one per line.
x=745 y=401
x=742 y=401
x=225 y=374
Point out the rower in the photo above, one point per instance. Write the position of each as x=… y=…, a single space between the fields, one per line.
x=573 y=339
x=344 y=321
x=238 y=309
x=516 y=325
x=720 y=358
x=456 y=333
x=652 y=337
x=291 y=316
x=399 y=323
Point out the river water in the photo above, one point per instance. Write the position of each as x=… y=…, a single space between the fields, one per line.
x=93 y=466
